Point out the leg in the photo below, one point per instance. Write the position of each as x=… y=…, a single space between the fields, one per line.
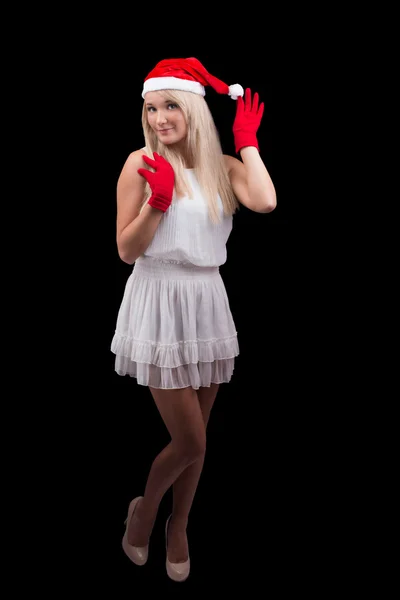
x=183 y=418
x=184 y=487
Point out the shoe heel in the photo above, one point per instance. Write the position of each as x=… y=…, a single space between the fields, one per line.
x=137 y=554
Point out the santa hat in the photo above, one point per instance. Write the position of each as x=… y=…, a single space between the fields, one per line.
x=187 y=74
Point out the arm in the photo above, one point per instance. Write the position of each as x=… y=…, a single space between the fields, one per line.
x=250 y=179
x=135 y=229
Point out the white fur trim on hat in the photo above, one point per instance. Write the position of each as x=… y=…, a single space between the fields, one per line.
x=172 y=83
x=235 y=90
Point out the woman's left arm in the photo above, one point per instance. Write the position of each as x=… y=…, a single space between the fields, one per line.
x=250 y=179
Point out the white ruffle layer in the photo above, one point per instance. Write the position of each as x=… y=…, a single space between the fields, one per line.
x=197 y=375
x=174 y=327
x=174 y=355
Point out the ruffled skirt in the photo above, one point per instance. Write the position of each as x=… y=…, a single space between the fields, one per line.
x=174 y=327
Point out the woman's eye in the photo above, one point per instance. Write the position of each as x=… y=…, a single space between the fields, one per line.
x=171 y=106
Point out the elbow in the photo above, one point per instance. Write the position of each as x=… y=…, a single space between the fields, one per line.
x=271 y=203
x=126 y=257
x=262 y=200
x=128 y=253
x=127 y=260
x=270 y=207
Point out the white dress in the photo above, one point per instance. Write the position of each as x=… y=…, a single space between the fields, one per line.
x=174 y=327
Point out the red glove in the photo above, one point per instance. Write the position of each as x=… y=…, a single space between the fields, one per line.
x=161 y=182
x=247 y=121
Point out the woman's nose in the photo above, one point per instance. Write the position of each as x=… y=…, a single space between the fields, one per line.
x=161 y=117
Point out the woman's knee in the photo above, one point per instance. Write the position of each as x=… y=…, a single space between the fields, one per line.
x=192 y=445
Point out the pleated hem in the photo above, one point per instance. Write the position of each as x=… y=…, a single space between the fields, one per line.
x=188 y=375
x=171 y=356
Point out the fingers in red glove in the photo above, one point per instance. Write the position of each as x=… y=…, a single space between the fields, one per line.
x=247 y=121
x=239 y=108
x=156 y=162
x=161 y=181
x=253 y=106
x=148 y=175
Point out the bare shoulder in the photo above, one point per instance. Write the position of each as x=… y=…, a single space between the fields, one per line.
x=133 y=162
x=232 y=164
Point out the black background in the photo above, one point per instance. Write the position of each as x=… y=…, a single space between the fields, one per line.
x=262 y=514
x=257 y=493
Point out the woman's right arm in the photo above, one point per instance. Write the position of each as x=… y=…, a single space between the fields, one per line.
x=135 y=229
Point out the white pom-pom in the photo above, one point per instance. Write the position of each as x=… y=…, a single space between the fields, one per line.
x=235 y=91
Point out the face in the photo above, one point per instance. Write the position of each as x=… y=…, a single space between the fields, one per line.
x=165 y=118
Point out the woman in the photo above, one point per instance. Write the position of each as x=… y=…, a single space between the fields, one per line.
x=175 y=332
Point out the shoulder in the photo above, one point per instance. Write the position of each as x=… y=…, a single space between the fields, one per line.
x=134 y=161
x=129 y=178
x=235 y=168
x=237 y=177
x=232 y=164
x=129 y=173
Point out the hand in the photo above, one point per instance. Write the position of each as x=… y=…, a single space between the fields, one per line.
x=161 y=182
x=247 y=121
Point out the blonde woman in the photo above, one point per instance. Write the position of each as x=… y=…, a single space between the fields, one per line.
x=176 y=198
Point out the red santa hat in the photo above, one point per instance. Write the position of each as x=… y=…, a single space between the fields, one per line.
x=187 y=74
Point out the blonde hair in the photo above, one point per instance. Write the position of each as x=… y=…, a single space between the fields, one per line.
x=203 y=150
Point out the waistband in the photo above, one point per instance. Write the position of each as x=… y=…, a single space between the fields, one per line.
x=168 y=269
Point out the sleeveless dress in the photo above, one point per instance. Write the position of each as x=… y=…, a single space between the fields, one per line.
x=174 y=326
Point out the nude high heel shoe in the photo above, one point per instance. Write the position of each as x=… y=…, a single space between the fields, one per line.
x=175 y=571
x=137 y=554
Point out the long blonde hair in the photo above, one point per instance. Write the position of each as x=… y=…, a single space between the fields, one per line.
x=203 y=150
